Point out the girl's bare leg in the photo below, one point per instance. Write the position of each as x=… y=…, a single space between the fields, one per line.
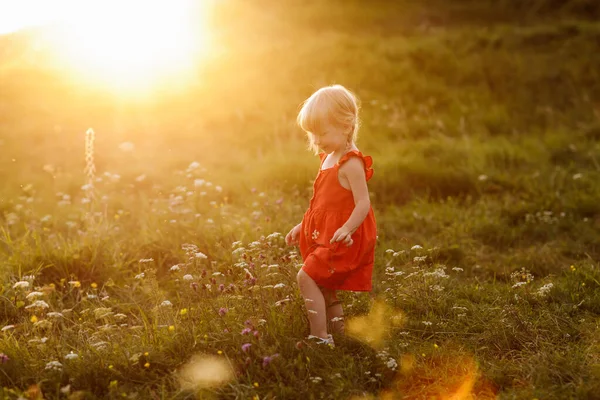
x=315 y=304
x=335 y=311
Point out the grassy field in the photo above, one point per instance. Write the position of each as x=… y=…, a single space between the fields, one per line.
x=165 y=274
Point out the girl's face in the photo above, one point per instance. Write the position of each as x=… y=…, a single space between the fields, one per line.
x=331 y=139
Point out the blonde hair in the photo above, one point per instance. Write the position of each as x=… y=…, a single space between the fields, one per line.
x=334 y=105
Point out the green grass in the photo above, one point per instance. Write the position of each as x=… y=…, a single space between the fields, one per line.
x=483 y=121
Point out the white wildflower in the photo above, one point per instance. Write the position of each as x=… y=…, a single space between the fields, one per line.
x=174 y=268
x=146 y=260
x=140 y=276
x=427 y=323
x=166 y=303
x=416 y=247
x=188 y=277
x=457 y=269
x=21 y=285
x=71 y=356
x=34 y=295
x=7 y=328
x=38 y=304
x=544 y=290
x=279 y=286
x=54 y=314
x=392 y=364
x=201 y=255
x=54 y=365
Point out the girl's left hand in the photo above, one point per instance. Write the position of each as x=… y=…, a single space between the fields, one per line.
x=342 y=235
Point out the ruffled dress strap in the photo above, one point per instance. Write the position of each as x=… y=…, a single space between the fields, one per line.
x=322 y=156
x=367 y=161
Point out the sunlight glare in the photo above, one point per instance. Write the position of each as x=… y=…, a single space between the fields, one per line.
x=131 y=45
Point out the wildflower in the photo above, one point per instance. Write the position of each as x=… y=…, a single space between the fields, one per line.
x=7 y=328
x=572 y=269
x=75 y=284
x=315 y=379
x=279 y=286
x=3 y=358
x=140 y=276
x=166 y=303
x=54 y=365
x=94 y=285
x=171 y=328
x=267 y=359
x=457 y=269
x=193 y=165
x=183 y=311
x=174 y=268
x=416 y=247
x=246 y=347
x=34 y=295
x=223 y=311
x=200 y=255
x=544 y=290
x=147 y=365
x=21 y=285
x=71 y=356
x=427 y=323
x=41 y=304
x=246 y=331
x=146 y=260
x=188 y=277
x=255 y=384
x=392 y=364
x=33 y=319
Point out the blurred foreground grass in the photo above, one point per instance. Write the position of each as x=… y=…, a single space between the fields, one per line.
x=483 y=120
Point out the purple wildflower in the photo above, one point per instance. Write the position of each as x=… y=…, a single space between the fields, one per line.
x=267 y=359
x=3 y=358
x=221 y=287
x=246 y=331
x=222 y=311
x=246 y=347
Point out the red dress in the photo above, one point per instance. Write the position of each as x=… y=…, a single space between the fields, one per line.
x=337 y=266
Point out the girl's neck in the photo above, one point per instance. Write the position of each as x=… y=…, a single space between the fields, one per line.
x=339 y=153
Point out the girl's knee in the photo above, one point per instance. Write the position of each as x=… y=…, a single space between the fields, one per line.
x=302 y=277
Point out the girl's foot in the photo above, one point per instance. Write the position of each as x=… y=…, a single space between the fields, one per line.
x=321 y=341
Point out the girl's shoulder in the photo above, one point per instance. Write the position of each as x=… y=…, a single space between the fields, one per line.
x=355 y=159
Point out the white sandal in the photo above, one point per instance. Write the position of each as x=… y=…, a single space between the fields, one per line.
x=319 y=340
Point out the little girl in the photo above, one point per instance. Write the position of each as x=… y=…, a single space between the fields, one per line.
x=337 y=234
